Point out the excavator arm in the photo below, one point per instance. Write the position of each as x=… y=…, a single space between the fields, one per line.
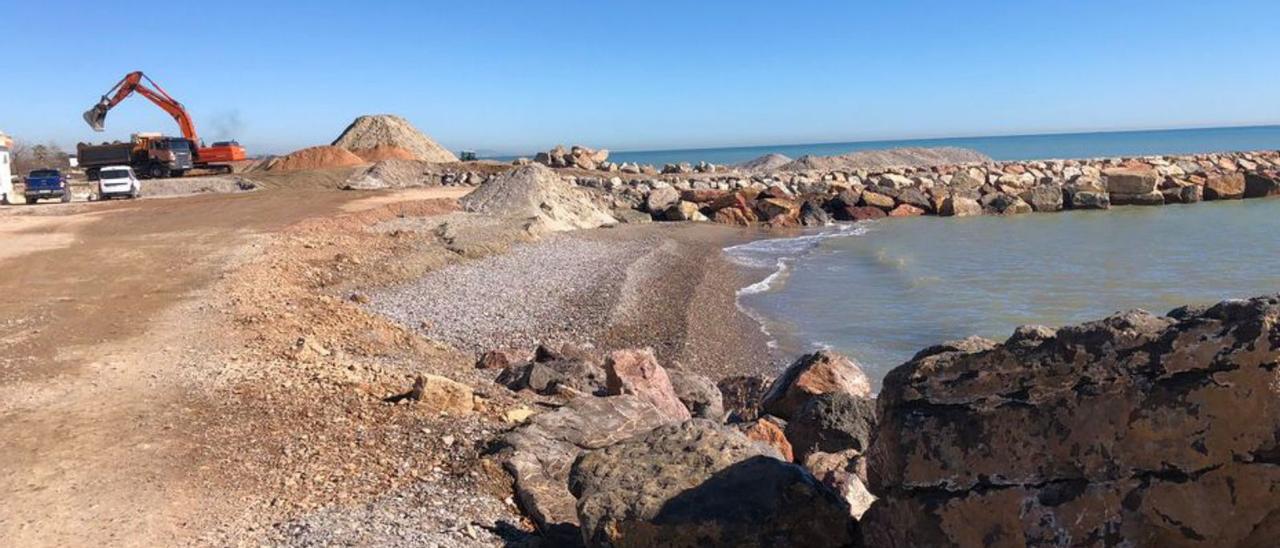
x=96 y=117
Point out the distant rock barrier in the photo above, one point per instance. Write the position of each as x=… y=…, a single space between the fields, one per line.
x=782 y=198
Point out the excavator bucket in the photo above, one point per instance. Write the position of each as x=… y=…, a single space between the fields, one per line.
x=96 y=117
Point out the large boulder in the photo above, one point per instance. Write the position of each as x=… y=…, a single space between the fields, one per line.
x=1229 y=186
x=1133 y=430
x=959 y=206
x=660 y=199
x=875 y=199
x=1131 y=181
x=742 y=395
x=1153 y=198
x=701 y=484
x=822 y=372
x=698 y=394
x=1261 y=185
x=1088 y=199
x=637 y=372
x=539 y=454
x=831 y=423
x=1044 y=197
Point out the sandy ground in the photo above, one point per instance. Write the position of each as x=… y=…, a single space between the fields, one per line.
x=202 y=370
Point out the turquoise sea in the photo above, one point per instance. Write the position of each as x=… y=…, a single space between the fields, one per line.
x=1016 y=147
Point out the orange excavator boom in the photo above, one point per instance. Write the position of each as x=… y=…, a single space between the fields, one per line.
x=96 y=117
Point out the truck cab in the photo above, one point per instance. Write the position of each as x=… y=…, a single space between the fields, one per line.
x=116 y=181
x=44 y=184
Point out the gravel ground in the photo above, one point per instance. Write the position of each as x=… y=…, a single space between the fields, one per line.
x=430 y=513
x=662 y=286
x=520 y=298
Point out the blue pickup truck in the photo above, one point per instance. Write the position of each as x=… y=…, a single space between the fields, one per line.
x=43 y=184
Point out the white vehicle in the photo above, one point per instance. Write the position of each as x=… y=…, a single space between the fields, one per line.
x=6 y=171
x=118 y=181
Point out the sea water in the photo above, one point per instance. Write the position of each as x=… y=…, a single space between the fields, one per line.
x=1014 y=147
x=881 y=291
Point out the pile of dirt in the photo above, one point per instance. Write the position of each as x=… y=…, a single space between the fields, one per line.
x=393 y=173
x=315 y=158
x=768 y=162
x=897 y=157
x=535 y=193
x=368 y=132
x=384 y=152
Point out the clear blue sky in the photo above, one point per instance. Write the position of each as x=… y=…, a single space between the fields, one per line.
x=521 y=76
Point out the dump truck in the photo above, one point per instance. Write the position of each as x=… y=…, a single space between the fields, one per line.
x=152 y=156
x=217 y=157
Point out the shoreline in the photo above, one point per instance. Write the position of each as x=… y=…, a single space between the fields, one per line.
x=669 y=287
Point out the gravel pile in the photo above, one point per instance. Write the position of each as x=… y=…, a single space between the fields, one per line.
x=883 y=159
x=538 y=194
x=385 y=130
x=519 y=298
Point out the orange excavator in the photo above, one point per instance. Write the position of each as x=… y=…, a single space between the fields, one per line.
x=215 y=157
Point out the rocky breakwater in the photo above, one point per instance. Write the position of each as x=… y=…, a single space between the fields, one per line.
x=793 y=196
x=636 y=454
x=1135 y=430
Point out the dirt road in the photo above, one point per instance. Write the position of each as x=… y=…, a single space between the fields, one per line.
x=108 y=328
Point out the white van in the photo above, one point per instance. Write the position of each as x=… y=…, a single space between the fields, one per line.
x=118 y=181
x=6 y=171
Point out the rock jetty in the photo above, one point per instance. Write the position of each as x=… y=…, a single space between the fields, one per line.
x=1136 y=429
x=787 y=197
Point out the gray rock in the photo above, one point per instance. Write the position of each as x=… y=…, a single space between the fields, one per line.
x=698 y=393
x=1044 y=198
x=1261 y=185
x=548 y=376
x=540 y=454
x=702 y=484
x=1131 y=181
x=1090 y=200
x=661 y=199
x=832 y=423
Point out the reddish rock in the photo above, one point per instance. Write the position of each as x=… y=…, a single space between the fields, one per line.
x=768 y=208
x=861 y=213
x=822 y=372
x=738 y=200
x=766 y=429
x=637 y=372
x=500 y=359
x=1224 y=187
x=906 y=210
x=775 y=191
x=734 y=216
x=1134 y=430
x=702 y=196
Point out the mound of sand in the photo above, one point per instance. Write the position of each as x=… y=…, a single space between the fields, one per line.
x=315 y=158
x=384 y=152
x=881 y=159
x=535 y=193
x=368 y=132
x=768 y=162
